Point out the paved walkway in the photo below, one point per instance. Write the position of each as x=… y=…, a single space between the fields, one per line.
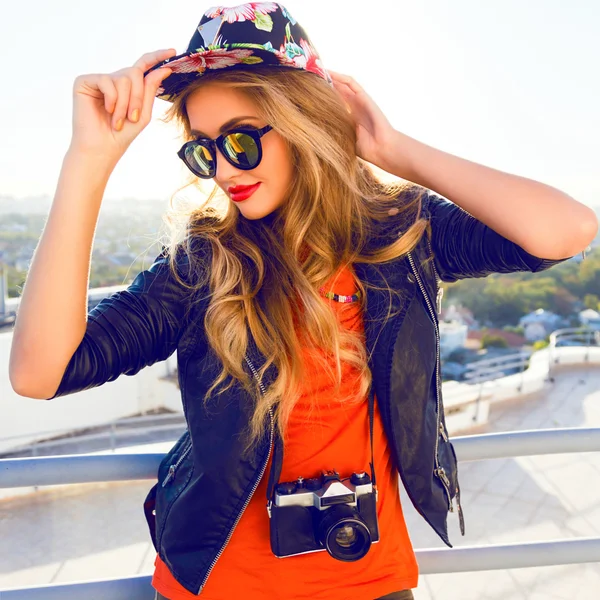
x=70 y=534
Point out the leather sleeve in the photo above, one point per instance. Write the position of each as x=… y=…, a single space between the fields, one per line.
x=131 y=329
x=464 y=247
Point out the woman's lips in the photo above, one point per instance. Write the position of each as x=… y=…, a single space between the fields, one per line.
x=244 y=193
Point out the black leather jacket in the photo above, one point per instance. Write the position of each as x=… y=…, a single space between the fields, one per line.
x=203 y=485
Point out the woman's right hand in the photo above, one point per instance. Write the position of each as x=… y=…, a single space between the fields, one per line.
x=101 y=100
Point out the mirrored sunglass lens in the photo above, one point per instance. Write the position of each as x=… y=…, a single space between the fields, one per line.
x=200 y=158
x=241 y=149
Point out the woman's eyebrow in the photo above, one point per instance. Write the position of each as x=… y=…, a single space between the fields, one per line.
x=225 y=126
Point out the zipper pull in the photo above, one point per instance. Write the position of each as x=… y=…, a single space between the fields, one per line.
x=440 y=294
x=169 y=476
x=442 y=432
x=442 y=475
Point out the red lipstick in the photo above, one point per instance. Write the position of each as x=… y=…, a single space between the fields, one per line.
x=242 y=192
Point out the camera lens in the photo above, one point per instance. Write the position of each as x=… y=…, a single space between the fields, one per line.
x=344 y=534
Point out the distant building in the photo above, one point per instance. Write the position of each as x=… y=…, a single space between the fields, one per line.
x=453 y=335
x=590 y=317
x=460 y=314
x=539 y=323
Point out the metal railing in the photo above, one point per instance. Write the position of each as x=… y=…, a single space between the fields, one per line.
x=480 y=371
x=587 y=334
x=72 y=469
x=111 y=433
x=20 y=472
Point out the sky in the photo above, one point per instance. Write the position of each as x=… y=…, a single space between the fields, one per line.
x=511 y=84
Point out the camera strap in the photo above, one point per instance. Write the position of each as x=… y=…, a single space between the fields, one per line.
x=277 y=459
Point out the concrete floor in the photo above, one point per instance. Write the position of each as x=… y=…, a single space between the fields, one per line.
x=71 y=534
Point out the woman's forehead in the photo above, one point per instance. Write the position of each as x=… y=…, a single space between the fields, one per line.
x=216 y=92
x=212 y=106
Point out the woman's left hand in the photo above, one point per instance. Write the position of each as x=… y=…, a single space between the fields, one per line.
x=373 y=130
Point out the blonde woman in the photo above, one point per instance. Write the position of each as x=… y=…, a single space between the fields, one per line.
x=304 y=314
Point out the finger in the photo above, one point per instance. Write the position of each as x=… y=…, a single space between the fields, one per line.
x=345 y=92
x=136 y=97
x=335 y=75
x=350 y=82
x=152 y=81
x=106 y=85
x=152 y=58
x=123 y=84
x=343 y=88
x=359 y=99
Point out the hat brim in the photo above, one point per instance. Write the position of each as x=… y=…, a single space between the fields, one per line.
x=187 y=67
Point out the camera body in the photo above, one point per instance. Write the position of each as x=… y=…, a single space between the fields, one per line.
x=325 y=513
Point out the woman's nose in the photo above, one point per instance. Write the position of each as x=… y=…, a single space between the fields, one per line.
x=225 y=170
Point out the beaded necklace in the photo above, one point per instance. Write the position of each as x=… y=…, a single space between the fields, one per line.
x=340 y=297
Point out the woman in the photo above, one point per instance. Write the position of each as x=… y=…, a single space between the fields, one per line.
x=305 y=315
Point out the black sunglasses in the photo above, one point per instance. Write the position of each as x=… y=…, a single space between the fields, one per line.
x=240 y=146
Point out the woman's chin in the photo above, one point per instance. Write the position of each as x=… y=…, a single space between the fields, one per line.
x=254 y=215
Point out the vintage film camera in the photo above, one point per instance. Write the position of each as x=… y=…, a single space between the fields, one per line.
x=325 y=513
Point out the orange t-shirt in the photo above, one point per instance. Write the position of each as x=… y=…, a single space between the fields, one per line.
x=336 y=436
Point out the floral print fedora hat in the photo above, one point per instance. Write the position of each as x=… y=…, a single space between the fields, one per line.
x=255 y=33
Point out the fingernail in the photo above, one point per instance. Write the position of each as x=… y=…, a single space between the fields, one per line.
x=119 y=125
x=135 y=115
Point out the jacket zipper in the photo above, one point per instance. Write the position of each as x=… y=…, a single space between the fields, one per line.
x=443 y=433
x=439 y=470
x=440 y=294
x=173 y=468
x=214 y=562
x=440 y=289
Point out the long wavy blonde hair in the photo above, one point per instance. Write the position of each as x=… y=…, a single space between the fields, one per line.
x=265 y=274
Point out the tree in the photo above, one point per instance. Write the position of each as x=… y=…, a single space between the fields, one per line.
x=591 y=301
x=493 y=341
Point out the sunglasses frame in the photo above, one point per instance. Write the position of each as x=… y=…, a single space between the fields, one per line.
x=211 y=145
